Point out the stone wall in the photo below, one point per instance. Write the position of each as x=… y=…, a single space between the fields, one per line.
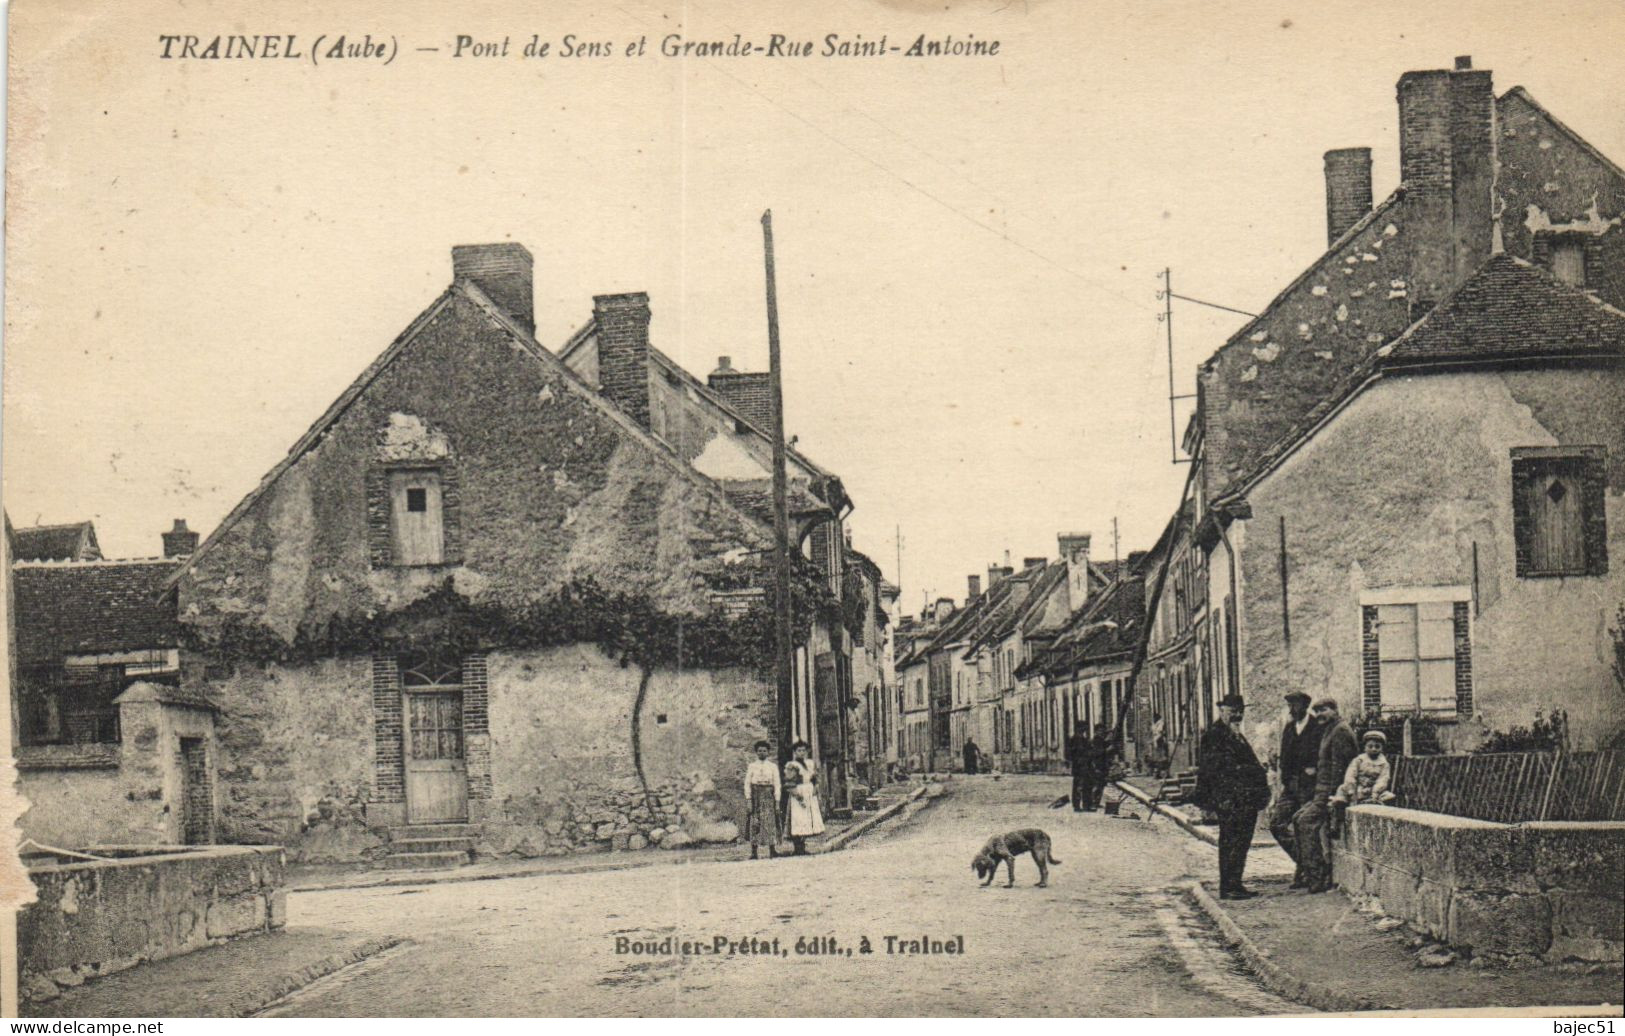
x=565 y=768
x=94 y=919
x=1549 y=889
x=295 y=746
x=128 y=792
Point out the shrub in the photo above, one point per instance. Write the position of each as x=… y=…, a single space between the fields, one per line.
x=1543 y=735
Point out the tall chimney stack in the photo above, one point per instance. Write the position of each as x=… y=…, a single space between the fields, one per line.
x=1348 y=189
x=623 y=351
x=1447 y=163
x=505 y=273
x=973 y=583
x=179 y=541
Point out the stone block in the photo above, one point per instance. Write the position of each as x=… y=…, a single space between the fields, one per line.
x=1397 y=890
x=1576 y=857
x=1587 y=926
x=229 y=917
x=67 y=978
x=1349 y=870
x=1432 y=908
x=1499 y=858
x=276 y=908
x=1500 y=924
x=636 y=842
x=620 y=841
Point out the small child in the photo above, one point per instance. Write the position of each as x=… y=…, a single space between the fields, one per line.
x=1366 y=779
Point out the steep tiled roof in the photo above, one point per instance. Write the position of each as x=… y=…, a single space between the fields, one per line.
x=528 y=348
x=1508 y=309
x=75 y=541
x=92 y=607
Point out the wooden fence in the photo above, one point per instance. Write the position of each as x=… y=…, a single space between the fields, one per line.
x=1513 y=787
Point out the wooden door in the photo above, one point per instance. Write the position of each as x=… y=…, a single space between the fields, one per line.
x=436 y=770
x=197 y=793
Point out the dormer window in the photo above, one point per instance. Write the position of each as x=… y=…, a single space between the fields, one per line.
x=1569 y=263
x=1564 y=253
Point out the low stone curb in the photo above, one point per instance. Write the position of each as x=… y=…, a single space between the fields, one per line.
x=287 y=985
x=1210 y=837
x=1270 y=974
x=626 y=861
x=852 y=834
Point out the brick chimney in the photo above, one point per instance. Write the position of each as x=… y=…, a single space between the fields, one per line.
x=1074 y=547
x=179 y=541
x=504 y=272
x=750 y=393
x=996 y=574
x=1348 y=189
x=1447 y=163
x=973 y=584
x=623 y=351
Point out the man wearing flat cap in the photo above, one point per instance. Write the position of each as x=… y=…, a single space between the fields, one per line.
x=1300 y=750
x=1231 y=782
x=1311 y=828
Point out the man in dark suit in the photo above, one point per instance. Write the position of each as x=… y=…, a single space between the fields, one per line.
x=1080 y=752
x=1300 y=750
x=1230 y=781
x=1311 y=827
x=1105 y=749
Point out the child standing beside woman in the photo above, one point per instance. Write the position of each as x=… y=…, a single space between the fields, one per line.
x=803 y=817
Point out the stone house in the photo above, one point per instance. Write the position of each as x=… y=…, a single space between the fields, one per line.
x=109 y=747
x=491 y=600
x=1475 y=310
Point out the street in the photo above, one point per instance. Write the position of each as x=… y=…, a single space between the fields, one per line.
x=1105 y=938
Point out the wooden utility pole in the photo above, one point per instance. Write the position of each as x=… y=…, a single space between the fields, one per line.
x=783 y=653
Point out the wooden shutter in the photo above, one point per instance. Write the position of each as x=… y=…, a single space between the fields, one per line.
x=415 y=505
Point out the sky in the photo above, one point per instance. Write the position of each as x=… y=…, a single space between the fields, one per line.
x=201 y=255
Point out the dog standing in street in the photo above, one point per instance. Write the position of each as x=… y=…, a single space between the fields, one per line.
x=1006 y=848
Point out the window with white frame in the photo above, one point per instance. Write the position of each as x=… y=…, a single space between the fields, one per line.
x=1416 y=652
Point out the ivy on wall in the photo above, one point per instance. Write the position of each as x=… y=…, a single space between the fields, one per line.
x=626 y=626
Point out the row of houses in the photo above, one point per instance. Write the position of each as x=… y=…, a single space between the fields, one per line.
x=1020 y=662
x=1405 y=482
x=497 y=598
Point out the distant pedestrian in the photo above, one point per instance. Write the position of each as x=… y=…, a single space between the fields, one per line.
x=762 y=789
x=1368 y=775
x=1080 y=753
x=1300 y=750
x=973 y=755
x=1105 y=749
x=1311 y=827
x=1232 y=783
x=1160 y=756
x=803 y=816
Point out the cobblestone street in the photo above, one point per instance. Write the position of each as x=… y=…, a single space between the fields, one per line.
x=1104 y=939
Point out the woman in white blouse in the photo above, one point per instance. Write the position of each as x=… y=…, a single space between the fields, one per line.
x=762 y=789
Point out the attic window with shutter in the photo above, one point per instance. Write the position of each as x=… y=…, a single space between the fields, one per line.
x=1558 y=521
x=1564 y=253
x=416 y=528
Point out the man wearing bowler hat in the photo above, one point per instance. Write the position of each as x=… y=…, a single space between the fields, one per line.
x=1231 y=782
x=1300 y=750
